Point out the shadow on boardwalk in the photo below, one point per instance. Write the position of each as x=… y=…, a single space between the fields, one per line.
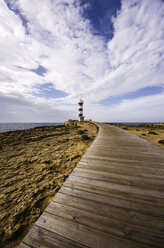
x=113 y=198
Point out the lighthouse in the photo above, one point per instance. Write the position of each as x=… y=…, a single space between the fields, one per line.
x=80 y=103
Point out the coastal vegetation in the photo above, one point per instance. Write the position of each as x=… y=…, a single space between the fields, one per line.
x=34 y=164
x=152 y=132
x=161 y=142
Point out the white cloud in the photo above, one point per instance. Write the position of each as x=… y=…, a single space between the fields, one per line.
x=59 y=38
x=137 y=47
x=144 y=109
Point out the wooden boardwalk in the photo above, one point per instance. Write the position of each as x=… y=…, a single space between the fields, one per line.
x=114 y=198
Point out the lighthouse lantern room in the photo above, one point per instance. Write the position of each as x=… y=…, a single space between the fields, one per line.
x=80 y=103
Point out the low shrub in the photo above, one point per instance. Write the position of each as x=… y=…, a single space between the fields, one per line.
x=85 y=137
x=152 y=132
x=161 y=142
x=137 y=129
x=125 y=128
x=143 y=134
x=47 y=161
x=80 y=131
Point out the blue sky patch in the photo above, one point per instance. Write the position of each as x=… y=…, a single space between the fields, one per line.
x=48 y=91
x=40 y=70
x=147 y=91
x=13 y=7
x=100 y=14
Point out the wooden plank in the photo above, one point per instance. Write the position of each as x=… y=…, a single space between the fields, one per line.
x=40 y=237
x=107 y=225
x=121 y=179
x=126 y=156
x=90 y=157
x=95 y=221
x=140 y=207
x=140 y=149
x=122 y=175
x=120 y=187
x=107 y=210
x=83 y=234
x=149 y=200
x=123 y=170
x=122 y=164
x=113 y=153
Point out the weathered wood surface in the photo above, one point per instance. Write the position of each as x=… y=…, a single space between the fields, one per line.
x=113 y=198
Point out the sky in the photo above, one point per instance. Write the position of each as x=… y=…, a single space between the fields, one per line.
x=110 y=53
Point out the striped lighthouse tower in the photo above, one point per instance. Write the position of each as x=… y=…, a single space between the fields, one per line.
x=80 y=103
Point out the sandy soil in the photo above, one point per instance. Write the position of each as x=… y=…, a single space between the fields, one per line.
x=34 y=164
x=153 y=132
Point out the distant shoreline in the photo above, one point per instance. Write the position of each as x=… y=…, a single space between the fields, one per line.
x=7 y=127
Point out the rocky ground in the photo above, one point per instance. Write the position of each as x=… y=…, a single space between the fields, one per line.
x=34 y=164
x=153 y=132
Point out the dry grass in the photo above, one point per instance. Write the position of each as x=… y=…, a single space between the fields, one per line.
x=34 y=164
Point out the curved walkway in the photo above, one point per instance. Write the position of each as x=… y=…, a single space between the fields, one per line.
x=114 y=198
